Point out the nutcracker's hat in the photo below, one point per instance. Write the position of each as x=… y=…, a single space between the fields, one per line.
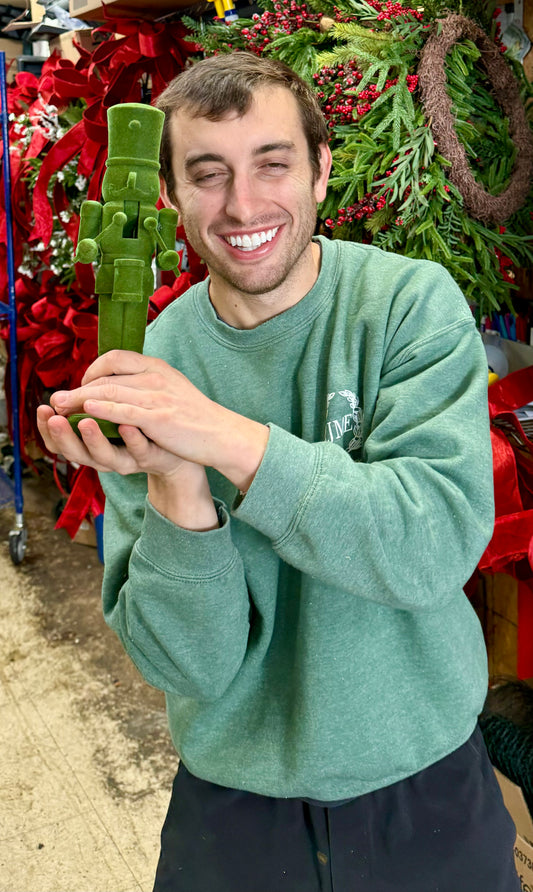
x=134 y=134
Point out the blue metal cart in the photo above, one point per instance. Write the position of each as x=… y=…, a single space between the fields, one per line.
x=11 y=490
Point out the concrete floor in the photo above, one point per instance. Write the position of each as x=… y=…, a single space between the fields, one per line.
x=86 y=764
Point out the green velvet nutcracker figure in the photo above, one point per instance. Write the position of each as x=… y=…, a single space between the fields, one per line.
x=127 y=232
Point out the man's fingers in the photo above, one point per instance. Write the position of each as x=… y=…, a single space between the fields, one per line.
x=44 y=414
x=136 y=443
x=117 y=412
x=116 y=362
x=103 y=455
x=149 y=457
x=138 y=388
x=65 y=402
x=91 y=448
x=60 y=438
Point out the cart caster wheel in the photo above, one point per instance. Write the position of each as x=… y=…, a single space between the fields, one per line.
x=17 y=545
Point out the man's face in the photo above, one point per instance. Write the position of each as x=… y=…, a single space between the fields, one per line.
x=246 y=196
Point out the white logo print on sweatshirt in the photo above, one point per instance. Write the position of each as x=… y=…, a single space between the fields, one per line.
x=350 y=422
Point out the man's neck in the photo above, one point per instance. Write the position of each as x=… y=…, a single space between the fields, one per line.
x=245 y=311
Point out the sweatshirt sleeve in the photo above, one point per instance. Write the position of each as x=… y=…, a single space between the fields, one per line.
x=406 y=525
x=177 y=599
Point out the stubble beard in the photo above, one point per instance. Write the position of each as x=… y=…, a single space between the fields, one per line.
x=245 y=283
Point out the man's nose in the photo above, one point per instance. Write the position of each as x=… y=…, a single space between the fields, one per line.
x=243 y=198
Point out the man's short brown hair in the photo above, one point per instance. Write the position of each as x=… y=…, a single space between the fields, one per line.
x=221 y=84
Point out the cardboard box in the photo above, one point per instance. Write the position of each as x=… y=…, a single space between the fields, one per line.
x=497 y=609
x=36 y=11
x=65 y=43
x=12 y=49
x=86 y=534
x=528 y=27
x=91 y=532
x=523 y=851
x=92 y=10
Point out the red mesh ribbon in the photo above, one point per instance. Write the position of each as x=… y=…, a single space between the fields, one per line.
x=511 y=547
x=57 y=337
x=86 y=499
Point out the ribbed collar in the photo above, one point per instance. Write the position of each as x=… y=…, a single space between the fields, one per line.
x=298 y=316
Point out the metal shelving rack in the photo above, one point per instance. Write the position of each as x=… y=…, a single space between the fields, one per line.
x=18 y=535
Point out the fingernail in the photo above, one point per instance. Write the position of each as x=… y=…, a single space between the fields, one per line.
x=60 y=398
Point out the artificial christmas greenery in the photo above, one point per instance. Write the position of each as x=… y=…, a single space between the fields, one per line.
x=390 y=182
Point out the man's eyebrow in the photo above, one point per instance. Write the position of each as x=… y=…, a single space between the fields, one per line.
x=261 y=150
x=198 y=159
x=273 y=147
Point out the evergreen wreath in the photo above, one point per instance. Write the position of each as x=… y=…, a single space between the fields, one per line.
x=432 y=82
x=392 y=183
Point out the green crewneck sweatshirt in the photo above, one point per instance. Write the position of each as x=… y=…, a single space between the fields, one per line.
x=319 y=643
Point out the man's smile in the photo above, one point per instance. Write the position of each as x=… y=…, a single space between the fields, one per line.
x=251 y=241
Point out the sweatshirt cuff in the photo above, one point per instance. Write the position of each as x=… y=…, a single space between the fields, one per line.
x=282 y=486
x=186 y=553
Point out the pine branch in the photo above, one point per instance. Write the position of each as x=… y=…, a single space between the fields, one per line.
x=298 y=51
x=356 y=34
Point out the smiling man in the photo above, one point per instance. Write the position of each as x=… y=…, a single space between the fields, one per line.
x=304 y=489
x=249 y=208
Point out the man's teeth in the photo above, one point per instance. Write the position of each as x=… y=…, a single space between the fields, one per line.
x=251 y=242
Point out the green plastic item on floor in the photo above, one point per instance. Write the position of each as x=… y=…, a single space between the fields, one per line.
x=126 y=233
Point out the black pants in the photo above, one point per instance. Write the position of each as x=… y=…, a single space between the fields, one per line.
x=444 y=829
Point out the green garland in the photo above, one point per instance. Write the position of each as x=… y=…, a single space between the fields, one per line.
x=390 y=184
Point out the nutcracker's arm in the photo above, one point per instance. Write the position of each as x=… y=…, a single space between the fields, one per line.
x=87 y=250
x=90 y=226
x=167 y=257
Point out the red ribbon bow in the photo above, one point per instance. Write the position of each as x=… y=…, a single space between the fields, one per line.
x=511 y=547
x=57 y=326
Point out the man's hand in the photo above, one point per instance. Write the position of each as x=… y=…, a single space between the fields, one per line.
x=95 y=450
x=145 y=393
x=141 y=393
x=176 y=488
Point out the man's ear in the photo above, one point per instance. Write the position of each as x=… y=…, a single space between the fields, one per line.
x=321 y=183
x=165 y=196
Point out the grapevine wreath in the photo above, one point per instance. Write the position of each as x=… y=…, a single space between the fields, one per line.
x=432 y=83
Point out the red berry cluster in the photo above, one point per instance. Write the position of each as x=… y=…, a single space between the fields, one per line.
x=336 y=84
x=365 y=208
x=387 y=11
x=341 y=16
x=340 y=102
x=287 y=17
x=342 y=105
x=498 y=27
